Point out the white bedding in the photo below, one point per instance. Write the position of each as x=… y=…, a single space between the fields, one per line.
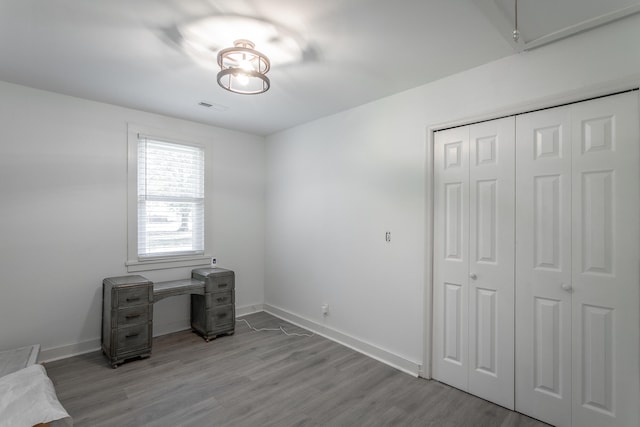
x=27 y=398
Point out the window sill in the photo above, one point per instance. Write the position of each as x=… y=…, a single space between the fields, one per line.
x=161 y=264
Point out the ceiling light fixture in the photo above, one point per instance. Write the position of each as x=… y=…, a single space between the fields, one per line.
x=243 y=69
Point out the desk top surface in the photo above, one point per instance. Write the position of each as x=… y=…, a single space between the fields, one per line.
x=177 y=287
x=177 y=284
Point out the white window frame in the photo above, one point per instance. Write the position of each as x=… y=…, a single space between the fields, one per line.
x=133 y=263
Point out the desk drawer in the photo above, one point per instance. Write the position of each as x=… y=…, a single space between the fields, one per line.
x=219 y=299
x=219 y=284
x=132 y=315
x=133 y=337
x=222 y=317
x=131 y=296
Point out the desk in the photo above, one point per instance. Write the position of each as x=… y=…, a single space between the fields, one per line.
x=127 y=309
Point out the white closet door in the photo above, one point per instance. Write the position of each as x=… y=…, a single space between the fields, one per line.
x=577 y=268
x=543 y=265
x=491 y=260
x=473 y=259
x=451 y=257
x=606 y=249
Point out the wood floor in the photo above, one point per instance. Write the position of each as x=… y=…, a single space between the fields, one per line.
x=261 y=379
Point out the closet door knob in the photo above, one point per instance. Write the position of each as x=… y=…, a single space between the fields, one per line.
x=566 y=287
x=473 y=276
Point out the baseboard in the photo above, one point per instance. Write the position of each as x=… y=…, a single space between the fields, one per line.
x=185 y=324
x=408 y=366
x=62 y=352
x=248 y=309
x=160 y=329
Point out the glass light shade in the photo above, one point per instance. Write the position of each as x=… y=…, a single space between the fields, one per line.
x=243 y=69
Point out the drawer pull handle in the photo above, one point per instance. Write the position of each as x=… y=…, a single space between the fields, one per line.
x=131 y=316
x=221 y=299
x=222 y=315
x=222 y=285
x=133 y=299
x=132 y=335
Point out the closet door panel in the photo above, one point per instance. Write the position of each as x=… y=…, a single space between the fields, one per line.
x=491 y=260
x=451 y=261
x=606 y=245
x=543 y=265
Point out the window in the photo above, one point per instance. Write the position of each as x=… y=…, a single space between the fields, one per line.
x=166 y=202
x=170 y=199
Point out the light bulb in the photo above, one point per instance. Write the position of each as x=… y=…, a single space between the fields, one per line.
x=242 y=79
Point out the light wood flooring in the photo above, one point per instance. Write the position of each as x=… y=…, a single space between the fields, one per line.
x=261 y=379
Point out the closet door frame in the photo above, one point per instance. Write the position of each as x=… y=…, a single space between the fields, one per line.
x=561 y=98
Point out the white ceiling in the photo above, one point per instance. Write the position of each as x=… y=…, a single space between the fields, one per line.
x=124 y=52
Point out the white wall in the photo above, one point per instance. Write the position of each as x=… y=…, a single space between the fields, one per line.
x=63 y=216
x=334 y=186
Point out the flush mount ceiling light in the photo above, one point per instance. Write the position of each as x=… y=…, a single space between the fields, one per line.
x=243 y=69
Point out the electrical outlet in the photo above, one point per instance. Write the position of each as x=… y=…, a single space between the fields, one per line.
x=214 y=262
x=325 y=309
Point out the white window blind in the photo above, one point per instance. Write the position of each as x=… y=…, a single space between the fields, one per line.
x=170 y=199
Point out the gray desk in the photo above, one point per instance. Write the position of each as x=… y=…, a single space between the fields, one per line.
x=127 y=309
